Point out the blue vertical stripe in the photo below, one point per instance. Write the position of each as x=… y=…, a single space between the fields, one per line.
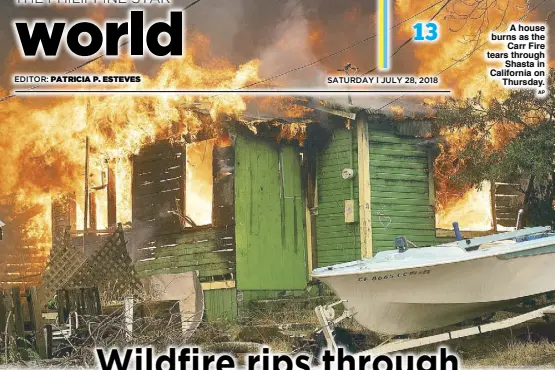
x=385 y=33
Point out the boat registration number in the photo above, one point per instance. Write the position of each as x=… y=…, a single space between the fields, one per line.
x=394 y=276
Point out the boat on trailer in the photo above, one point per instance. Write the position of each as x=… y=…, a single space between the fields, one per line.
x=411 y=290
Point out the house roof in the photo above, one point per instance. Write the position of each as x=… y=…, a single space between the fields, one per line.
x=2 y=224
x=289 y=127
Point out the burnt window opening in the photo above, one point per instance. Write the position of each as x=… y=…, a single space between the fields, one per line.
x=181 y=187
x=98 y=199
x=209 y=183
x=199 y=184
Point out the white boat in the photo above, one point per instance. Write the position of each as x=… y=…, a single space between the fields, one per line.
x=412 y=290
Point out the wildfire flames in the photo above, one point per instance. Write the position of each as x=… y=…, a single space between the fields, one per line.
x=464 y=26
x=470 y=206
x=43 y=146
x=471 y=22
x=43 y=150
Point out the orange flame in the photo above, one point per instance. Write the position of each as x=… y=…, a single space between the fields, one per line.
x=43 y=154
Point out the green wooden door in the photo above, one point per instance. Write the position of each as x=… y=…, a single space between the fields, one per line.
x=269 y=216
x=337 y=241
x=400 y=190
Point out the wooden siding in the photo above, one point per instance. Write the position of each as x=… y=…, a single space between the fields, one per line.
x=220 y=304
x=158 y=194
x=209 y=251
x=400 y=190
x=337 y=241
x=269 y=216
x=507 y=200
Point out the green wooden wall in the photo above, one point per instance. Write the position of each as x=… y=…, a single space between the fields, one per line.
x=220 y=304
x=210 y=251
x=400 y=190
x=269 y=216
x=337 y=241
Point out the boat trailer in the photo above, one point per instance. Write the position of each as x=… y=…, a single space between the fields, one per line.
x=328 y=321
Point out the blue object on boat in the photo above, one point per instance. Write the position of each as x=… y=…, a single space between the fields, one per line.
x=457 y=231
x=531 y=237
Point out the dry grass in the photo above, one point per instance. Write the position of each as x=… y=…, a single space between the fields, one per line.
x=527 y=345
x=515 y=353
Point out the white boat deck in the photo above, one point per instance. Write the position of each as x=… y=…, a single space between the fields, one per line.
x=493 y=245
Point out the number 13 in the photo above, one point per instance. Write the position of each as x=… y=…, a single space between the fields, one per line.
x=432 y=33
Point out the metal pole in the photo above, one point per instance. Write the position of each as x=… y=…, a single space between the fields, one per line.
x=86 y=213
x=128 y=307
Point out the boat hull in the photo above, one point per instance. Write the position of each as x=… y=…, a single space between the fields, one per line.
x=412 y=300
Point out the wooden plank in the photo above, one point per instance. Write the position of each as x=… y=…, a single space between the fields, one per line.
x=220 y=304
x=212 y=285
x=334 y=175
x=419 y=186
x=92 y=210
x=422 y=201
x=349 y=245
x=492 y=206
x=386 y=171
x=390 y=239
x=383 y=192
x=400 y=190
x=191 y=235
x=431 y=179
x=333 y=190
x=506 y=222
x=48 y=336
x=151 y=200
x=349 y=242
x=403 y=198
x=333 y=254
x=512 y=202
x=61 y=306
x=403 y=177
x=395 y=223
x=223 y=205
x=269 y=216
x=333 y=162
x=158 y=170
x=386 y=164
x=19 y=323
x=339 y=192
x=204 y=273
x=111 y=199
x=388 y=137
x=167 y=225
x=3 y=312
x=35 y=313
x=160 y=210
x=414 y=209
x=160 y=151
x=395 y=152
x=341 y=243
x=192 y=251
x=148 y=188
x=379 y=145
x=508 y=189
x=8 y=301
x=408 y=232
x=183 y=261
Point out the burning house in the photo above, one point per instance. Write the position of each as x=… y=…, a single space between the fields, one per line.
x=241 y=205
x=210 y=185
